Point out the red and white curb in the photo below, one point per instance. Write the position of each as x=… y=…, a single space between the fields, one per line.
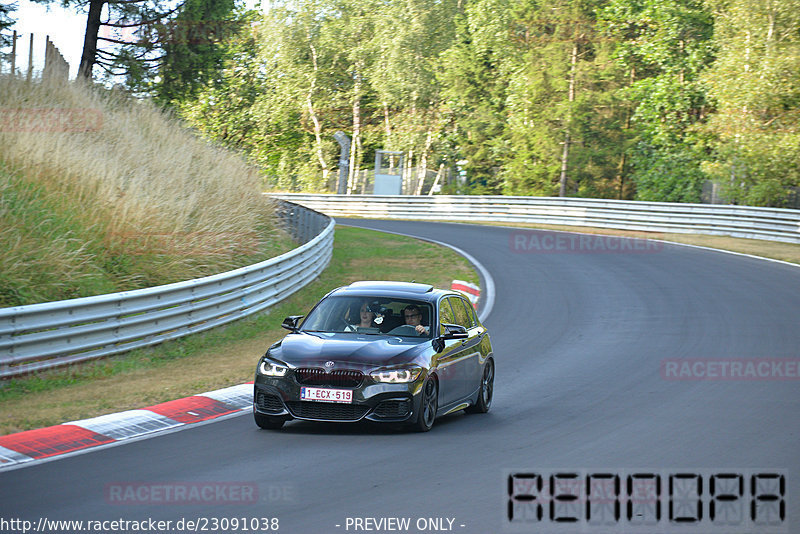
x=30 y=445
x=43 y=443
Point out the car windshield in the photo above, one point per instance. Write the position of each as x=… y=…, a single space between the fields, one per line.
x=379 y=316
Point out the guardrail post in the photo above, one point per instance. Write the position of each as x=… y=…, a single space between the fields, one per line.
x=306 y=225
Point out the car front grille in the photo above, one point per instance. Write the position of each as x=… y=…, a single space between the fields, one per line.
x=393 y=408
x=327 y=411
x=268 y=403
x=316 y=376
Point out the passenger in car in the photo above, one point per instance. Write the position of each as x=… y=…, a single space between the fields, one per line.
x=366 y=317
x=413 y=317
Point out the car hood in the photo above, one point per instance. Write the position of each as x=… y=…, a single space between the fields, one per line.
x=306 y=349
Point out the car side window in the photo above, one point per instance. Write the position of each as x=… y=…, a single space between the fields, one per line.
x=472 y=321
x=460 y=312
x=445 y=313
x=473 y=313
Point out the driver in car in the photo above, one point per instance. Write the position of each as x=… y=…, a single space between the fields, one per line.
x=413 y=317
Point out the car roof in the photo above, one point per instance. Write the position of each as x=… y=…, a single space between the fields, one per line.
x=413 y=290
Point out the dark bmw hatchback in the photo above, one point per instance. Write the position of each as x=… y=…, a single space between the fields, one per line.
x=390 y=352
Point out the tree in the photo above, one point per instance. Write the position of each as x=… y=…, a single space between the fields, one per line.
x=562 y=114
x=755 y=82
x=169 y=51
x=5 y=22
x=604 y=98
x=191 y=45
x=474 y=96
x=664 y=45
x=274 y=97
x=301 y=62
x=328 y=65
x=407 y=115
x=123 y=16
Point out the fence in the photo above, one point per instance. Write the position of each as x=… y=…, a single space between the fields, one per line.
x=55 y=66
x=51 y=334
x=773 y=224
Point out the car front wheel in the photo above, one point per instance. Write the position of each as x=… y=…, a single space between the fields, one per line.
x=428 y=406
x=268 y=422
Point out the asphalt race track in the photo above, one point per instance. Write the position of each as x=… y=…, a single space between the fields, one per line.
x=589 y=338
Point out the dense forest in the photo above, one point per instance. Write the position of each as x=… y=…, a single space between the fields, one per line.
x=632 y=99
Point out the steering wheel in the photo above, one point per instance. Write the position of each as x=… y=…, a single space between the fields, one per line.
x=404 y=330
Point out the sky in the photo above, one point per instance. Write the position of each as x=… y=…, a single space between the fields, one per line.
x=65 y=26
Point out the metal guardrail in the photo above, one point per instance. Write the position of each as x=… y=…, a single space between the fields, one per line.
x=52 y=334
x=773 y=224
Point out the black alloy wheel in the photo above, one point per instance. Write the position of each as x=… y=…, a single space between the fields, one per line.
x=428 y=406
x=486 y=391
x=268 y=422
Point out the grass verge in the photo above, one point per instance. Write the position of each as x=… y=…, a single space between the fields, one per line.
x=221 y=357
x=102 y=193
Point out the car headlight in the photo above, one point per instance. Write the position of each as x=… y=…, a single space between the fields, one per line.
x=396 y=376
x=271 y=368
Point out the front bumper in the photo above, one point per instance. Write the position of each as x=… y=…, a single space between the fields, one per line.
x=372 y=401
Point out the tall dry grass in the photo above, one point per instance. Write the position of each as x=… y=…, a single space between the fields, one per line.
x=100 y=190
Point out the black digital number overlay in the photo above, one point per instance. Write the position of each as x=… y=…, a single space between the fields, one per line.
x=664 y=500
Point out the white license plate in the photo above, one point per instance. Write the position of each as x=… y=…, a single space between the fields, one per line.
x=326 y=394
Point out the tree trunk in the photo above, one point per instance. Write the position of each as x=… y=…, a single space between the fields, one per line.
x=562 y=189
x=387 y=126
x=313 y=114
x=90 y=39
x=318 y=140
x=622 y=160
x=354 y=151
x=406 y=181
x=436 y=181
x=388 y=129
x=422 y=170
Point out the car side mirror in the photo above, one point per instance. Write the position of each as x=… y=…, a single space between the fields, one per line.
x=454 y=331
x=291 y=322
x=451 y=331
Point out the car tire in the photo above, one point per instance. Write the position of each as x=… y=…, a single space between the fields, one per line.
x=268 y=422
x=486 y=391
x=428 y=405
